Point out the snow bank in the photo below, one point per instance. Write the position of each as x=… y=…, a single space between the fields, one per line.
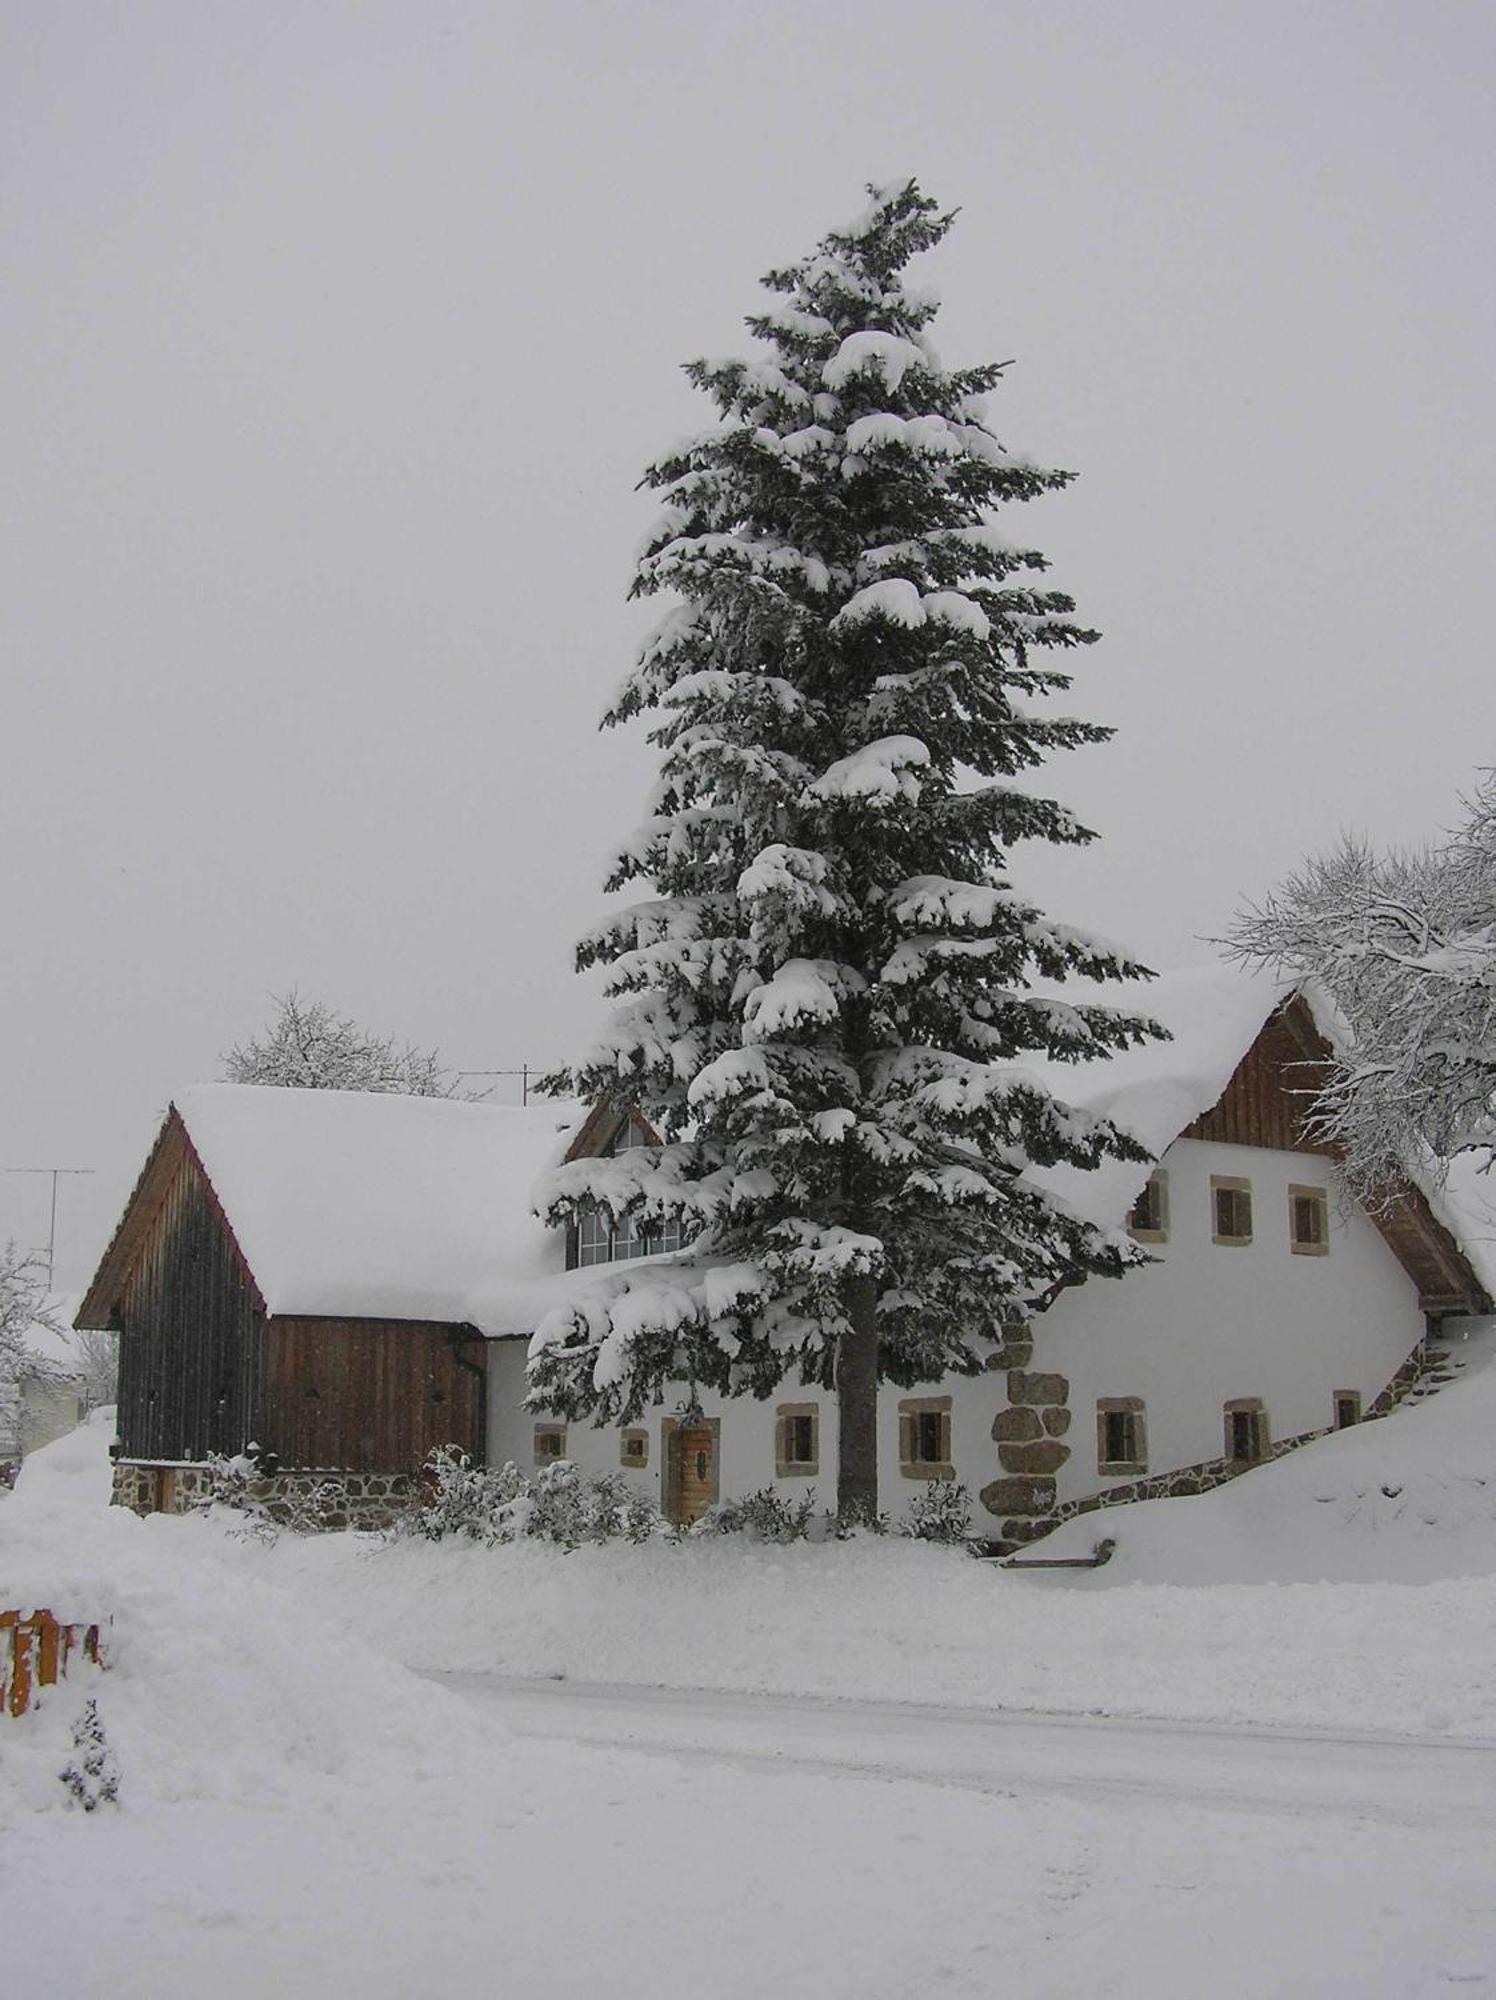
x=1350 y=1584
x=1409 y=1498
x=211 y=1690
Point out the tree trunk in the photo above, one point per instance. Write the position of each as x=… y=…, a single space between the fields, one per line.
x=857 y=1405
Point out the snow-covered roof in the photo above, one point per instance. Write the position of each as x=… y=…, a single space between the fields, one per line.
x=1213 y=1014
x=1464 y=1200
x=364 y=1205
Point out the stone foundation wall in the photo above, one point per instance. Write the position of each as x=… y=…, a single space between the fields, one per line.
x=308 y=1500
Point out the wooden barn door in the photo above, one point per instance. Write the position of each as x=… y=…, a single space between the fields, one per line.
x=691 y=1459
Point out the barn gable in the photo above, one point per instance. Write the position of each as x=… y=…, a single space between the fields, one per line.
x=176 y=1288
x=1265 y=1103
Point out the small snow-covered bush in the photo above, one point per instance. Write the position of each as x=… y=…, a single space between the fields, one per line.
x=942 y=1513
x=232 y=1481
x=91 y=1776
x=561 y=1504
x=227 y=1482
x=764 y=1516
x=473 y=1502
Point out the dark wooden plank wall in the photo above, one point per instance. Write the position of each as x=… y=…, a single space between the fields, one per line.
x=191 y=1333
x=369 y=1395
x=1263 y=1104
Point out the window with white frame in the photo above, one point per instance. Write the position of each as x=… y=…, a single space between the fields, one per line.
x=597 y=1239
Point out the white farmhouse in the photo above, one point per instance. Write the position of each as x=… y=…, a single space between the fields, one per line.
x=346 y=1280
x=1274 y=1308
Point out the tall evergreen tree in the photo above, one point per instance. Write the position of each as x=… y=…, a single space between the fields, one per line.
x=828 y=992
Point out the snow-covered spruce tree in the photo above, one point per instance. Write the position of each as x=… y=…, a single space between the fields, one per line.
x=824 y=993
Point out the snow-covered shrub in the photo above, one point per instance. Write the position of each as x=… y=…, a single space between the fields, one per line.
x=472 y=1502
x=231 y=1481
x=942 y=1513
x=91 y=1775
x=764 y=1516
x=561 y=1504
x=569 y=1506
x=227 y=1482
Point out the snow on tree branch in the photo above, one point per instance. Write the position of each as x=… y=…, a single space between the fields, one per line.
x=310 y=1047
x=827 y=974
x=1406 y=945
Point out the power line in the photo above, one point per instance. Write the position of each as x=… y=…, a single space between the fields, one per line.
x=524 y=1073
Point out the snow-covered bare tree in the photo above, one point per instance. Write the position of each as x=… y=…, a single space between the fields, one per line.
x=1406 y=946
x=311 y=1047
x=98 y=1364
x=23 y=1305
x=830 y=978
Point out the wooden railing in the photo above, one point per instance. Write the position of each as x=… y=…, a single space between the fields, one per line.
x=36 y=1651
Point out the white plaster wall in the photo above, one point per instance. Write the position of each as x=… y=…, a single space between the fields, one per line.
x=1207 y=1323
x=745 y=1441
x=48 y=1410
x=1202 y=1325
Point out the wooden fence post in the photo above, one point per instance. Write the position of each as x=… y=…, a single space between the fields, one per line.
x=35 y=1651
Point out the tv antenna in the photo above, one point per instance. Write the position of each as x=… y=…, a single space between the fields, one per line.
x=57 y=1174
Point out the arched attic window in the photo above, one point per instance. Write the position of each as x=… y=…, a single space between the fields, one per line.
x=597 y=1241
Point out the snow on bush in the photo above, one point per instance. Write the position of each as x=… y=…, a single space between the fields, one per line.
x=561 y=1504
x=767 y=1516
x=231 y=1482
x=942 y=1513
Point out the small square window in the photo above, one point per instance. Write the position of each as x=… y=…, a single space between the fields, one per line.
x=925 y=1438
x=797 y=1440
x=1149 y=1220
x=1231 y=1209
x=1121 y=1436
x=550 y=1443
x=633 y=1448
x=1347 y=1409
x=1246 y=1431
x=1309 y=1221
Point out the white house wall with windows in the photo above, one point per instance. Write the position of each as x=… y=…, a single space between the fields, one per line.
x=1273 y=1307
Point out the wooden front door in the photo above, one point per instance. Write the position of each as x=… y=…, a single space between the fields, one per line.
x=691 y=1456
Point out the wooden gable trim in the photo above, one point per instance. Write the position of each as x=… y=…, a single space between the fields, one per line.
x=1267 y=1099
x=1266 y=1103
x=601 y=1127
x=172 y=1152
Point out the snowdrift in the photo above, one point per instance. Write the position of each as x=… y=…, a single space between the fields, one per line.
x=1408 y=1498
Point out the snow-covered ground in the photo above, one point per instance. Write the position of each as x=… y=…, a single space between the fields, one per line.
x=318 y=1795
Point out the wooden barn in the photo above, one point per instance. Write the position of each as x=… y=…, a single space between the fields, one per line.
x=305 y=1273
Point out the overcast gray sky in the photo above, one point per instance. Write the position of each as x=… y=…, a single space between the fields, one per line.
x=336 y=336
